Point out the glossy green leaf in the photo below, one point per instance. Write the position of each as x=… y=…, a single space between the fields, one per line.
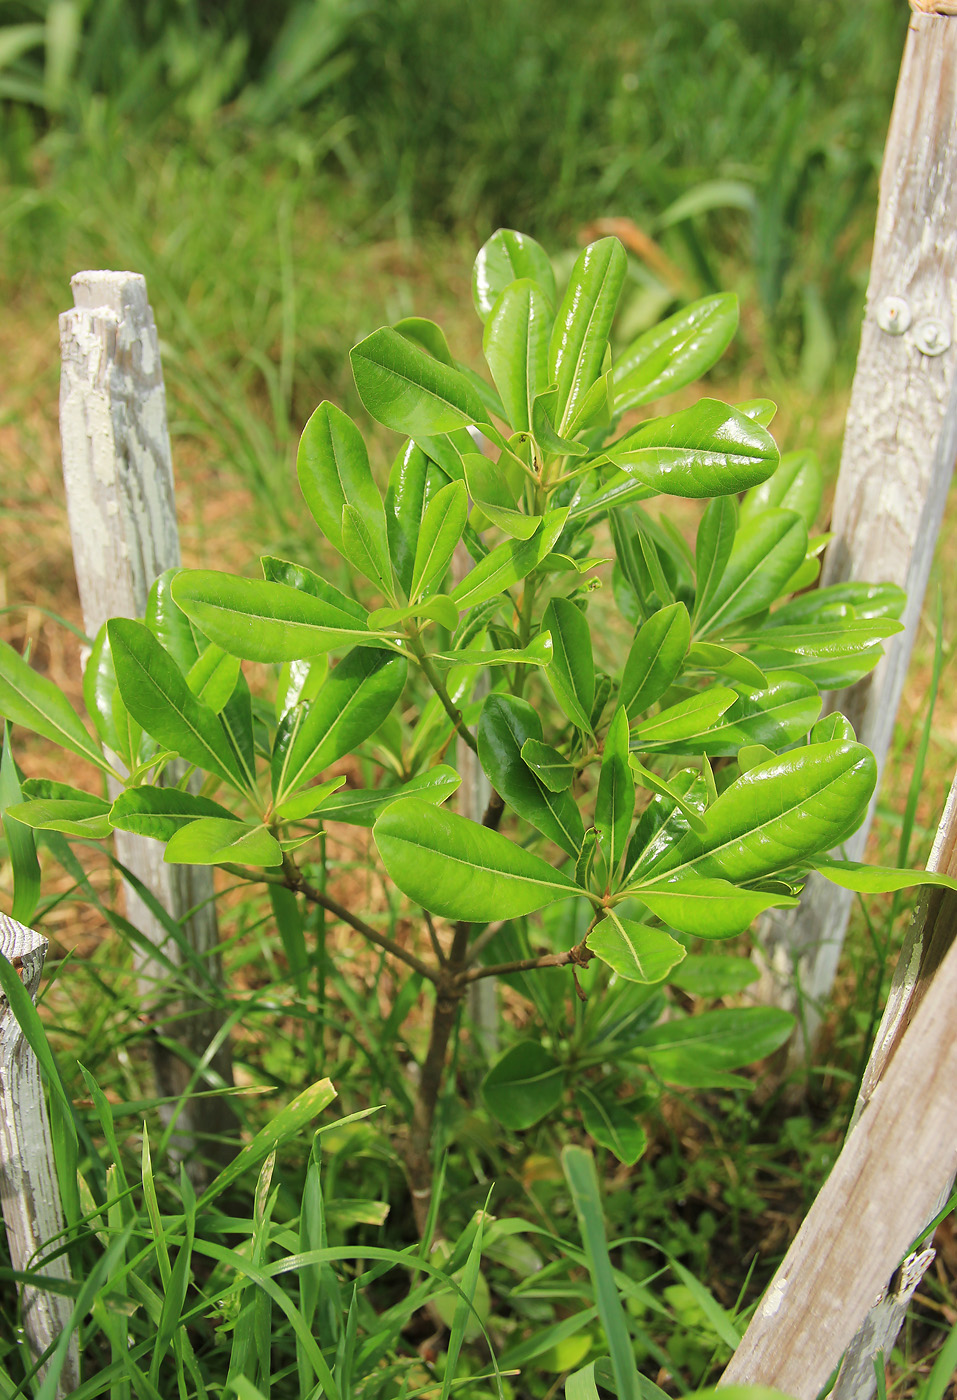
x=655 y=658
x=832 y=726
x=663 y=823
x=509 y=562
x=878 y=879
x=506 y=724
x=427 y=335
x=761 y=410
x=654 y=783
x=777 y=714
x=549 y=766
x=356 y=697
x=708 y=908
x=334 y=471
x=831 y=653
x=720 y=660
x=446 y=450
x=766 y=552
x=715 y=540
x=686 y=720
x=712 y=975
x=752 y=755
x=503 y=259
x=409 y=391
x=361 y=806
x=368 y=553
x=615 y=803
x=158 y=812
x=676 y=352
x=215 y=841
x=544 y=408
x=618 y=489
x=572 y=672
x=461 y=870
x=523 y=1085
x=779 y=815
x=491 y=492
x=537 y=653
x=20 y=840
x=594 y=408
x=719 y=1040
x=515 y=344
x=796 y=485
x=170 y=625
x=307 y=802
x=156 y=694
x=438 y=608
x=441 y=529
x=709 y=449
x=35 y=702
x=263 y=621
x=79 y=814
x=414 y=482
x=579 y=338
x=611 y=1123
x=99 y=689
x=212 y=677
x=635 y=951
x=307 y=581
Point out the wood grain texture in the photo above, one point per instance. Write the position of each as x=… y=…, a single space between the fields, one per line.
x=898 y=454
x=29 y=1191
x=118 y=474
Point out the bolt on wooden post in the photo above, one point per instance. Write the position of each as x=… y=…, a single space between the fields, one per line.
x=118 y=474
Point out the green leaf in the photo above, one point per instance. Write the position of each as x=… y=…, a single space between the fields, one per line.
x=687 y=720
x=676 y=352
x=832 y=726
x=544 y=407
x=715 y=540
x=777 y=714
x=334 y=471
x=663 y=823
x=572 y=672
x=779 y=815
x=156 y=694
x=489 y=488
x=414 y=482
x=515 y=345
x=306 y=581
x=851 y=600
x=356 y=697
x=441 y=529
x=461 y=870
x=212 y=677
x=66 y=809
x=307 y=803
x=506 y=724
x=878 y=879
x=579 y=338
x=158 y=812
x=714 y=659
x=548 y=765
x=751 y=755
x=366 y=552
x=615 y=803
x=796 y=485
x=39 y=705
x=654 y=783
x=714 y=1040
x=406 y=389
x=100 y=691
x=655 y=658
x=832 y=653
x=503 y=259
x=523 y=1085
x=509 y=562
x=537 y=653
x=361 y=806
x=21 y=842
x=263 y=621
x=215 y=841
x=438 y=608
x=709 y=449
x=708 y=908
x=611 y=1124
x=428 y=335
x=713 y=975
x=635 y=951
x=766 y=552
x=170 y=625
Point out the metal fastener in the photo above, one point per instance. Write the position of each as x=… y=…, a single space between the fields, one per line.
x=893 y=315
x=931 y=336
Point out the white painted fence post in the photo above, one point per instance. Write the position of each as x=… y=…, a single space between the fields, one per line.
x=117 y=469
x=28 y=1183
x=899 y=448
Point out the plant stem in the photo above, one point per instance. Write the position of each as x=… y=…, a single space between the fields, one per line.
x=579 y=956
x=441 y=690
x=296 y=881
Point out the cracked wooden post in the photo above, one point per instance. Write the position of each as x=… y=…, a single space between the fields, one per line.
x=28 y=1183
x=117 y=469
x=899 y=450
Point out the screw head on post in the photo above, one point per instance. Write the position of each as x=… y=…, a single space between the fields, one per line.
x=931 y=336
x=893 y=315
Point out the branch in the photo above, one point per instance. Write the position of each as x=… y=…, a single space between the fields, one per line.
x=296 y=881
x=441 y=690
x=579 y=956
x=434 y=938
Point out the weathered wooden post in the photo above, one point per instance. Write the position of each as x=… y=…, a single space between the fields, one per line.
x=28 y=1184
x=117 y=469
x=892 y=1176
x=899 y=447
